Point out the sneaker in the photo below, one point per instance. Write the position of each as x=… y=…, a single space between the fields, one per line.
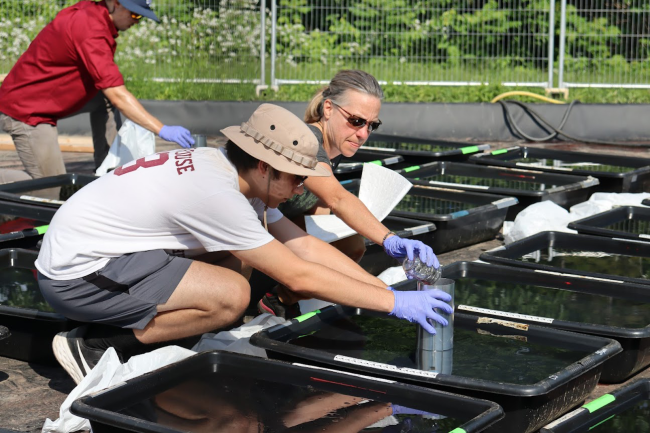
x=271 y=304
x=73 y=354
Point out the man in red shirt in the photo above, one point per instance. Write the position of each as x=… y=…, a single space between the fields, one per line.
x=62 y=71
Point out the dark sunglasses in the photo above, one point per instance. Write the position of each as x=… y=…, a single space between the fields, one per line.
x=300 y=180
x=358 y=122
x=136 y=16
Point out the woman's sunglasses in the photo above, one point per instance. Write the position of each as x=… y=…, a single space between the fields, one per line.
x=136 y=16
x=356 y=121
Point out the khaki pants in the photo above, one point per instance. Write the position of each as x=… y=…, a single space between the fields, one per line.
x=38 y=146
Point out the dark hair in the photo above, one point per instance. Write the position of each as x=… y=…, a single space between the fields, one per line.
x=348 y=79
x=244 y=161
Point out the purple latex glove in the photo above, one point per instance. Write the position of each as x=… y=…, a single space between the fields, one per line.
x=418 y=307
x=177 y=134
x=402 y=410
x=398 y=248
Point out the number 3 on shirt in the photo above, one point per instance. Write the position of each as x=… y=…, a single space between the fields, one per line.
x=142 y=162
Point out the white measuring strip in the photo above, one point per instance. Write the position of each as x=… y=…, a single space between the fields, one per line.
x=387 y=367
x=505 y=314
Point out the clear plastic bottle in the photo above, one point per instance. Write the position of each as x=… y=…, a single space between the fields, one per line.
x=416 y=270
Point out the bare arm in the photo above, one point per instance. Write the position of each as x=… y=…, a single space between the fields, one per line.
x=347 y=206
x=313 y=280
x=312 y=249
x=124 y=101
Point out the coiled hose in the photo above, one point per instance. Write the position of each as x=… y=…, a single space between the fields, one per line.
x=557 y=131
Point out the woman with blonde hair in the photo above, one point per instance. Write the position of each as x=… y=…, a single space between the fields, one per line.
x=342 y=115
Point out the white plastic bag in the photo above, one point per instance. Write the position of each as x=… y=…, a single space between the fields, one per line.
x=132 y=142
x=108 y=372
x=536 y=218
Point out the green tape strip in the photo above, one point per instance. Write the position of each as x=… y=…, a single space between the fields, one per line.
x=593 y=406
x=458 y=430
x=596 y=425
x=378 y=162
x=307 y=316
x=499 y=152
x=469 y=149
x=413 y=168
x=42 y=229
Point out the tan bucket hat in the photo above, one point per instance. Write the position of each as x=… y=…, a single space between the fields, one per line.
x=278 y=137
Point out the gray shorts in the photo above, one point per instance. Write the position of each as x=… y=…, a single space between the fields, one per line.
x=125 y=293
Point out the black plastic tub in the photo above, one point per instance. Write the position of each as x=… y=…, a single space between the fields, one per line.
x=606 y=309
x=375 y=260
x=22 y=191
x=615 y=173
x=28 y=238
x=624 y=410
x=629 y=222
x=528 y=186
x=585 y=255
x=462 y=218
x=534 y=373
x=351 y=168
x=12 y=206
x=228 y=392
x=418 y=151
x=23 y=310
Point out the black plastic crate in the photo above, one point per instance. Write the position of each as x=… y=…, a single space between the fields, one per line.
x=623 y=410
x=375 y=260
x=419 y=150
x=462 y=218
x=22 y=191
x=544 y=372
x=629 y=222
x=23 y=310
x=528 y=186
x=615 y=173
x=227 y=392
x=592 y=256
x=351 y=168
x=606 y=309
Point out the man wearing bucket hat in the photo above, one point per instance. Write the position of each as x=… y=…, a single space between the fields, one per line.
x=155 y=251
x=69 y=68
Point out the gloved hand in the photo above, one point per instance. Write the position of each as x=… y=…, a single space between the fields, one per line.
x=417 y=307
x=177 y=134
x=398 y=248
x=402 y=410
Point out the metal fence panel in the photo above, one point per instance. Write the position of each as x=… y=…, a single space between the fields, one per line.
x=605 y=44
x=212 y=41
x=442 y=42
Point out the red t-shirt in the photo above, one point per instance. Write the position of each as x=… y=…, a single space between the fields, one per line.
x=65 y=66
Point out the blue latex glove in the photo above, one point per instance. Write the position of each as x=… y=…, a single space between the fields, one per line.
x=417 y=307
x=398 y=248
x=177 y=134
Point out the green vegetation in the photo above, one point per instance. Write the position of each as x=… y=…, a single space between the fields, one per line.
x=304 y=92
x=200 y=42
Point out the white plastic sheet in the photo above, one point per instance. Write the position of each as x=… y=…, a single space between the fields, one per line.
x=132 y=142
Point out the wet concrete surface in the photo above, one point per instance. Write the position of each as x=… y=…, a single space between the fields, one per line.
x=30 y=393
